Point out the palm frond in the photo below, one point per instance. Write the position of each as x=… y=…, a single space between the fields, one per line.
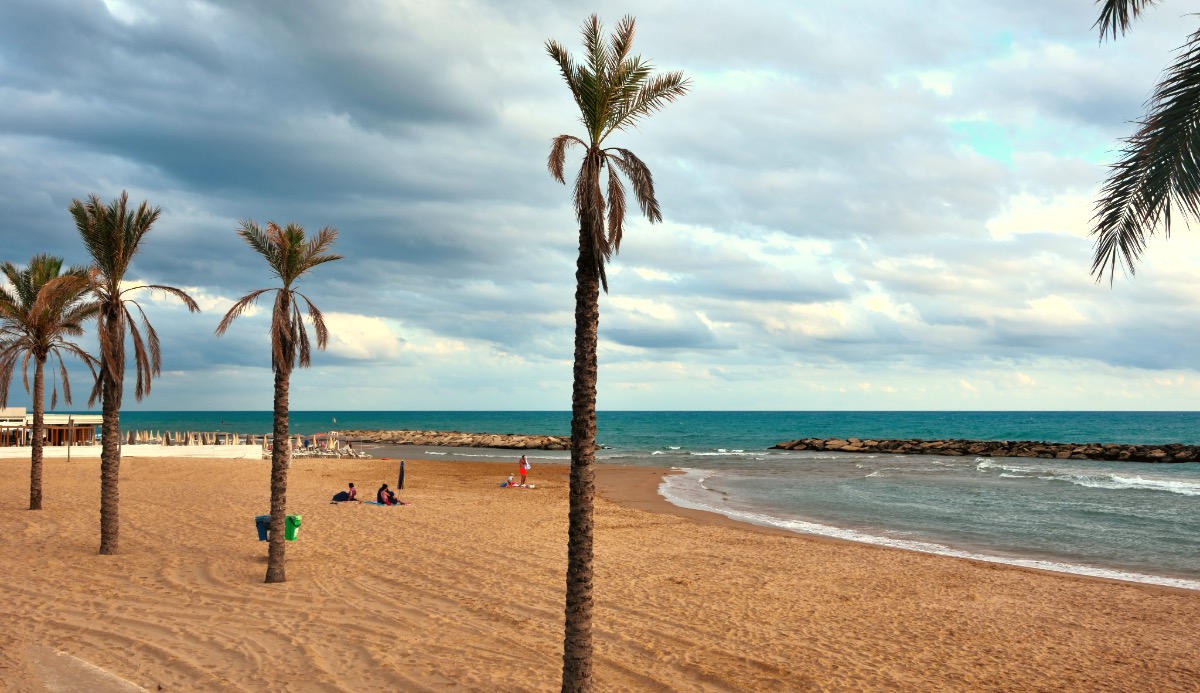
x=97 y=388
x=641 y=179
x=558 y=155
x=1118 y=15
x=13 y=275
x=90 y=221
x=616 y=209
x=317 y=252
x=141 y=359
x=593 y=45
x=110 y=328
x=243 y=304
x=304 y=349
x=25 y=359
x=593 y=79
x=621 y=42
x=318 y=321
x=8 y=362
x=59 y=294
x=570 y=71
x=258 y=240
x=10 y=306
x=650 y=97
x=590 y=209
x=182 y=295
x=282 y=351
x=1159 y=169
x=155 y=346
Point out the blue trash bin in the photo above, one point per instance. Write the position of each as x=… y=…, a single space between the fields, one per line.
x=263 y=522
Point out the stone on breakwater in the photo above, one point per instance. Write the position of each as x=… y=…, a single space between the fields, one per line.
x=1174 y=452
x=456 y=439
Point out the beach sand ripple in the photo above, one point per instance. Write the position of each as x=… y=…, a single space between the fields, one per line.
x=464 y=590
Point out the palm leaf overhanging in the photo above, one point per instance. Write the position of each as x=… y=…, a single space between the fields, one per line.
x=1158 y=173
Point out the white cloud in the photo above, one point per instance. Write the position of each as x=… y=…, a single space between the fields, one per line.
x=1068 y=214
x=361 y=337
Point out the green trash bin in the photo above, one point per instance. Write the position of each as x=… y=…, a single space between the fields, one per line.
x=291 y=527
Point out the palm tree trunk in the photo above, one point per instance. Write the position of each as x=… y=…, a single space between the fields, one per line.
x=281 y=454
x=577 y=635
x=113 y=374
x=39 y=430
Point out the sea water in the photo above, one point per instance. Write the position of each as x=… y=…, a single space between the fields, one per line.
x=1132 y=521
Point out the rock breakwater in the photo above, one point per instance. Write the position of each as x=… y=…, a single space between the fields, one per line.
x=1174 y=452
x=456 y=439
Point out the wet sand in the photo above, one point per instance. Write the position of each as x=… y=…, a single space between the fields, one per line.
x=463 y=590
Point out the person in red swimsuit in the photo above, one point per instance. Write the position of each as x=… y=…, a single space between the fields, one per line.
x=524 y=470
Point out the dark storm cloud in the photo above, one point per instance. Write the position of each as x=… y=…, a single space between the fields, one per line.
x=828 y=187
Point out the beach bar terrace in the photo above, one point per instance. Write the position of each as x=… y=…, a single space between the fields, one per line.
x=16 y=428
x=81 y=433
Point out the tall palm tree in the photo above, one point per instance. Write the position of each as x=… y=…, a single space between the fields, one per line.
x=44 y=309
x=1160 y=164
x=112 y=234
x=290 y=256
x=614 y=90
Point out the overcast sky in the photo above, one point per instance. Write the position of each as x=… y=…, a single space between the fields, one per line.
x=870 y=204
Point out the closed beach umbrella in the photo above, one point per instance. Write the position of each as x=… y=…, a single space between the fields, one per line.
x=400 y=482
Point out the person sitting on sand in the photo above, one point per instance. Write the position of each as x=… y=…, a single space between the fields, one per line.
x=346 y=496
x=385 y=496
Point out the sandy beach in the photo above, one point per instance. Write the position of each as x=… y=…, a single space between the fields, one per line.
x=463 y=590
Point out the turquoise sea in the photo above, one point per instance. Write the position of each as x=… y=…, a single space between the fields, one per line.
x=1131 y=521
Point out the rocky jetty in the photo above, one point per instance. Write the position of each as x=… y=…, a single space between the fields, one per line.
x=455 y=439
x=1174 y=452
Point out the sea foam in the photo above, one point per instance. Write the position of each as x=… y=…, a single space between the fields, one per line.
x=688 y=490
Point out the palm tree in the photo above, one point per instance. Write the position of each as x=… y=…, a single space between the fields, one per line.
x=614 y=90
x=112 y=235
x=44 y=308
x=1160 y=164
x=290 y=256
